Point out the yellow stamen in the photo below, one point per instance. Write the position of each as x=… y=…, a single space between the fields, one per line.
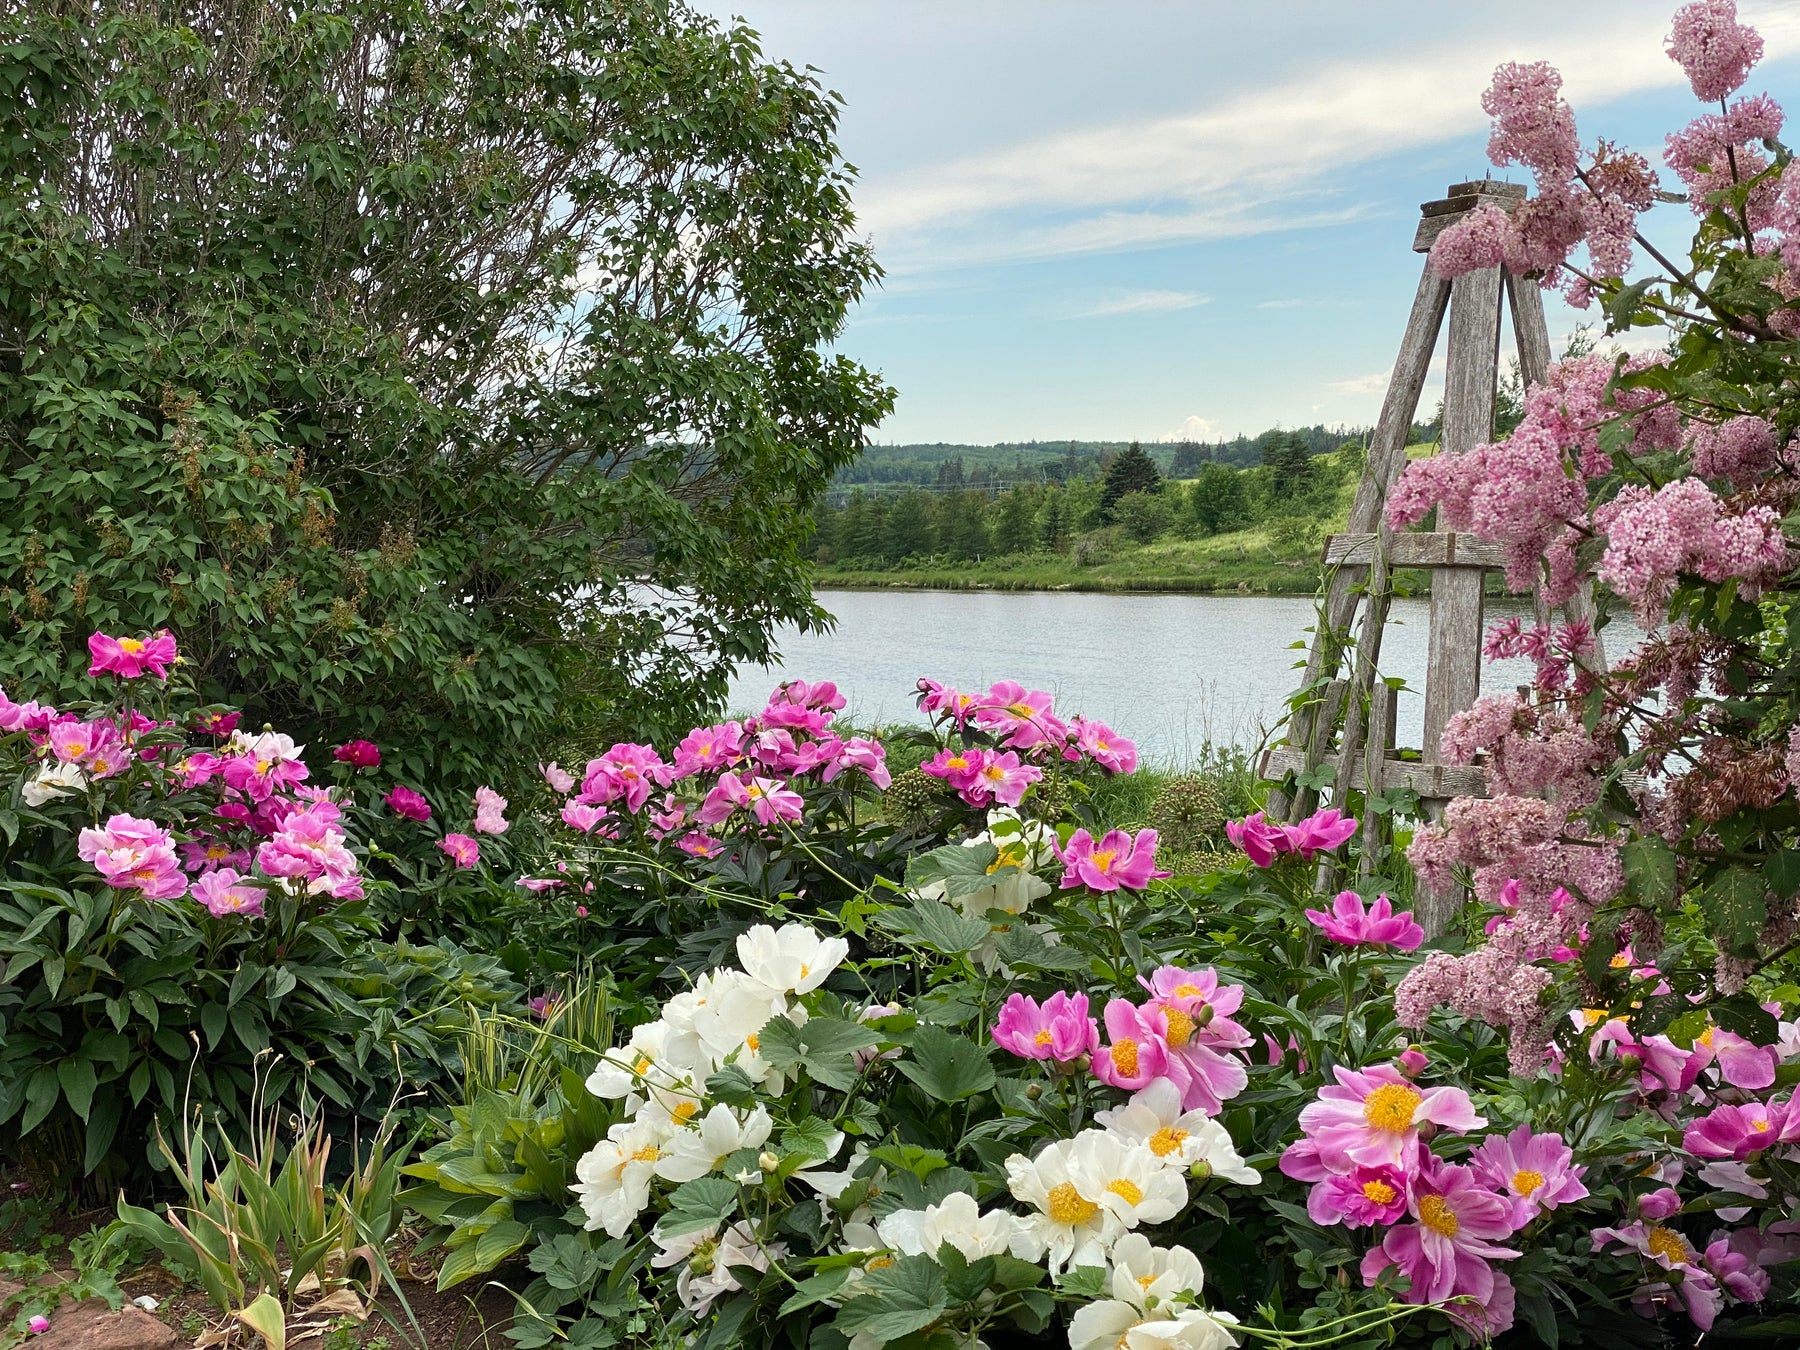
x=1066 y=1205
x=1127 y=1190
x=1435 y=1213
x=1104 y=859
x=685 y=1111
x=1042 y=1038
x=1379 y=1191
x=1527 y=1181
x=1125 y=1057
x=130 y=646
x=1668 y=1244
x=1390 y=1107
x=649 y=1153
x=753 y=1041
x=1187 y=991
x=1167 y=1140
x=1181 y=1027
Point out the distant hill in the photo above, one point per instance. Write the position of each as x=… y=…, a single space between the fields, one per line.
x=948 y=465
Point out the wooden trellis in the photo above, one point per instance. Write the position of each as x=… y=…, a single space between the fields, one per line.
x=1347 y=717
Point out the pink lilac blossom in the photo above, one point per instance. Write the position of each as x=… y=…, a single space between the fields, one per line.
x=1741 y=449
x=222 y=893
x=1115 y=860
x=1718 y=151
x=130 y=657
x=1532 y=124
x=1535 y=1172
x=1652 y=537
x=1712 y=48
x=490 y=812
x=1059 y=1029
x=462 y=849
x=1377 y=926
x=403 y=801
x=1784 y=219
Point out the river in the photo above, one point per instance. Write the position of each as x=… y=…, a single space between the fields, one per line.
x=1173 y=672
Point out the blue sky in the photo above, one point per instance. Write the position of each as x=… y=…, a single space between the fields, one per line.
x=1139 y=218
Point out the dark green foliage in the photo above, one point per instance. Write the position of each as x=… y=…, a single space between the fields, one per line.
x=1143 y=515
x=1289 y=460
x=350 y=342
x=1131 y=471
x=1218 y=501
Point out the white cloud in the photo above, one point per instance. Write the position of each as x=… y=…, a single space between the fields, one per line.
x=1195 y=429
x=1362 y=384
x=1280 y=304
x=1267 y=160
x=1145 y=302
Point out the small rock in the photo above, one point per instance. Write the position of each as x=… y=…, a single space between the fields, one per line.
x=94 y=1326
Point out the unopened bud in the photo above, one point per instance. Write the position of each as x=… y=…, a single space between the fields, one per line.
x=1205 y=1016
x=1033 y=1091
x=767 y=1161
x=1427 y=1131
x=1201 y=1170
x=1412 y=1061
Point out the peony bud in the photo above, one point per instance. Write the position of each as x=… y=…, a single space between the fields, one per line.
x=1205 y=1016
x=1201 y=1170
x=1412 y=1061
x=1033 y=1091
x=1427 y=1131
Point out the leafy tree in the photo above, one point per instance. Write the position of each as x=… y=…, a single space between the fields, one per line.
x=1143 y=515
x=962 y=525
x=452 y=375
x=1289 y=460
x=907 y=531
x=1015 y=524
x=1131 y=470
x=1218 y=501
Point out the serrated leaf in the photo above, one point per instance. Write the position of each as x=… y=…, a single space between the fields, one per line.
x=901 y=1299
x=1736 y=908
x=1782 y=872
x=698 y=1204
x=825 y=1048
x=933 y=924
x=947 y=1066
x=1649 y=871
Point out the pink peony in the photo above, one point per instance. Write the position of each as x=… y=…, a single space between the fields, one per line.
x=130 y=657
x=700 y=845
x=358 y=754
x=941 y=700
x=1022 y=717
x=1534 y=1171
x=1736 y=1131
x=582 y=816
x=628 y=773
x=1004 y=779
x=490 y=812
x=403 y=801
x=1320 y=832
x=1670 y=1250
x=132 y=853
x=309 y=849
x=709 y=749
x=221 y=893
x=559 y=778
x=1060 y=1029
x=1378 y=927
x=864 y=754
x=1137 y=1054
x=960 y=768
x=1260 y=840
x=463 y=850
x=767 y=799
x=1116 y=860
x=1371 y=1117
x=1101 y=744
x=1445 y=1254
x=1361 y=1198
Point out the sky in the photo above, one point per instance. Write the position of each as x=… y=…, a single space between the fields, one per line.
x=1144 y=219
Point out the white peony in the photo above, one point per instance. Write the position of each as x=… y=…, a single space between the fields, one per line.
x=957 y=1220
x=1126 y=1179
x=1153 y=1118
x=612 y=1179
x=1151 y=1278
x=705 y=1146
x=710 y=1262
x=1071 y=1226
x=1115 y=1325
x=54 y=780
x=794 y=959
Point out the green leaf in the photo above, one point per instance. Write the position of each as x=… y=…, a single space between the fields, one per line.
x=500 y=1242
x=1782 y=871
x=825 y=1048
x=947 y=1066
x=901 y=1299
x=212 y=1022
x=699 y=1204
x=818 y=1289
x=1649 y=871
x=959 y=868
x=930 y=923
x=77 y=1079
x=1735 y=909
x=265 y=1317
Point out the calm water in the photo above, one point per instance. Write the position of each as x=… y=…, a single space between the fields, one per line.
x=1171 y=671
